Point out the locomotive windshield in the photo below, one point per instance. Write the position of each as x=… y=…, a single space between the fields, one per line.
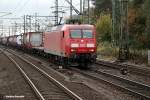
x=81 y=33
x=87 y=34
x=76 y=34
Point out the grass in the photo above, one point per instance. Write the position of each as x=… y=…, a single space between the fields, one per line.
x=139 y=56
x=107 y=52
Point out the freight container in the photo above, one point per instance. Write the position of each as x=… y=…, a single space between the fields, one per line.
x=19 y=42
x=33 y=39
x=4 y=40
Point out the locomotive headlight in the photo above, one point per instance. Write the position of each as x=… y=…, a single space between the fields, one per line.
x=73 y=50
x=74 y=45
x=92 y=50
x=90 y=45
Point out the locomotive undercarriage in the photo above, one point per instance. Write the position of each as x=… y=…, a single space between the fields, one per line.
x=81 y=60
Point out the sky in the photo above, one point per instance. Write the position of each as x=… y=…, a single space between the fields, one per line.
x=18 y=8
x=21 y=7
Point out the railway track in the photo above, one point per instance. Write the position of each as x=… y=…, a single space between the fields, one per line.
x=131 y=68
x=135 y=88
x=12 y=78
x=44 y=86
x=81 y=90
x=129 y=86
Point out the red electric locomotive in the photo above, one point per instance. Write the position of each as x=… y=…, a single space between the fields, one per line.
x=71 y=44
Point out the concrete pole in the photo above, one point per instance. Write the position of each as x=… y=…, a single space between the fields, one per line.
x=70 y=9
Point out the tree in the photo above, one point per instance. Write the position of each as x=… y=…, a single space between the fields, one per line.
x=147 y=15
x=137 y=24
x=147 y=30
x=102 y=6
x=104 y=28
x=137 y=3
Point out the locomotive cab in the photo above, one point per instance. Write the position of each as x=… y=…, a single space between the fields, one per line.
x=82 y=45
x=82 y=41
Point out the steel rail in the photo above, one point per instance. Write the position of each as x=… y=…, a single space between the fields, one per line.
x=131 y=68
x=32 y=85
x=60 y=85
x=112 y=83
x=144 y=86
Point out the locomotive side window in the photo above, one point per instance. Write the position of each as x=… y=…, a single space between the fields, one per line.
x=75 y=33
x=87 y=34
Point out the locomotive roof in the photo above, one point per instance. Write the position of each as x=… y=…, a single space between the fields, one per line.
x=69 y=26
x=77 y=26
